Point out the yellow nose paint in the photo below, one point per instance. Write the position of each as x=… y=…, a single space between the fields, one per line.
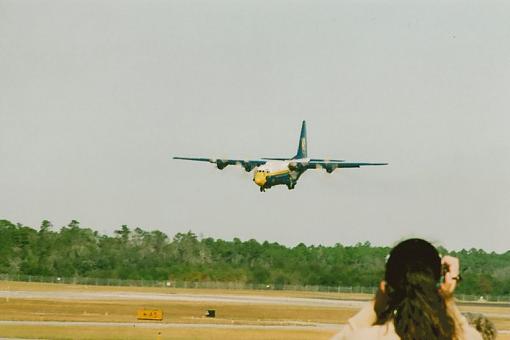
x=260 y=178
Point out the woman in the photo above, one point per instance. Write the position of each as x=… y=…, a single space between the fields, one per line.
x=415 y=300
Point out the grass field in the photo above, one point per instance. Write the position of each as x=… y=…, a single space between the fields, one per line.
x=181 y=312
x=115 y=333
x=175 y=312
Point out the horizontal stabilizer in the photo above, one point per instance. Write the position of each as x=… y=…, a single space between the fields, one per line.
x=276 y=158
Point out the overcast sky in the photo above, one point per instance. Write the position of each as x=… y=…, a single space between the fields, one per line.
x=97 y=96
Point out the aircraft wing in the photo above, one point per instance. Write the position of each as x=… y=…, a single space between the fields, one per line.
x=247 y=164
x=310 y=160
x=330 y=166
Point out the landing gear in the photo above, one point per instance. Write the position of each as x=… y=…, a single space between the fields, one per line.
x=291 y=185
x=262 y=189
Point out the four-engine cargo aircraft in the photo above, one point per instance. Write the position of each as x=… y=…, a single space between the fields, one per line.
x=283 y=171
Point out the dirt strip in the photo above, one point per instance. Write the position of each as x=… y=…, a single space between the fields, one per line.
x=297 y=326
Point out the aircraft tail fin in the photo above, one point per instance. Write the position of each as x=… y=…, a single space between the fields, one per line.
x=302 y=147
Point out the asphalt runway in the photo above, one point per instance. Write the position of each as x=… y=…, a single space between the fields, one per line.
x=249 y=299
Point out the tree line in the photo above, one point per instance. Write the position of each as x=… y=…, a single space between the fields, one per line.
x=75 y=251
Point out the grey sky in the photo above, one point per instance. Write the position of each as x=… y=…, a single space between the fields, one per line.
x=96 y=96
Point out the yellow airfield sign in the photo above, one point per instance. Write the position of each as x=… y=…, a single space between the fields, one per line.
x=149 y=314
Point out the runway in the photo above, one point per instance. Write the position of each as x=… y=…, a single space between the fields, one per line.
x=148 y=296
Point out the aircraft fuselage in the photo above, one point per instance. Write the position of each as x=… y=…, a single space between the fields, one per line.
x=277 y=173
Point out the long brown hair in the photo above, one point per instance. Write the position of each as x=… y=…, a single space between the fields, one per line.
x=413 y=300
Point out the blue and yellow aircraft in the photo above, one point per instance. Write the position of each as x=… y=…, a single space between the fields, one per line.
x=283 y=171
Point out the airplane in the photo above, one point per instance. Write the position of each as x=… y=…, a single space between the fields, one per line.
x=282 y=171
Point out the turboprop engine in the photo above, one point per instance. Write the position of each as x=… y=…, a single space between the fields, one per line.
x=330 y=168
x=221 y=164
x=296 y=166
x=248 y=167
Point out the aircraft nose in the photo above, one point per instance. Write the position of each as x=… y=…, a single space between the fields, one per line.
x=260 y=178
